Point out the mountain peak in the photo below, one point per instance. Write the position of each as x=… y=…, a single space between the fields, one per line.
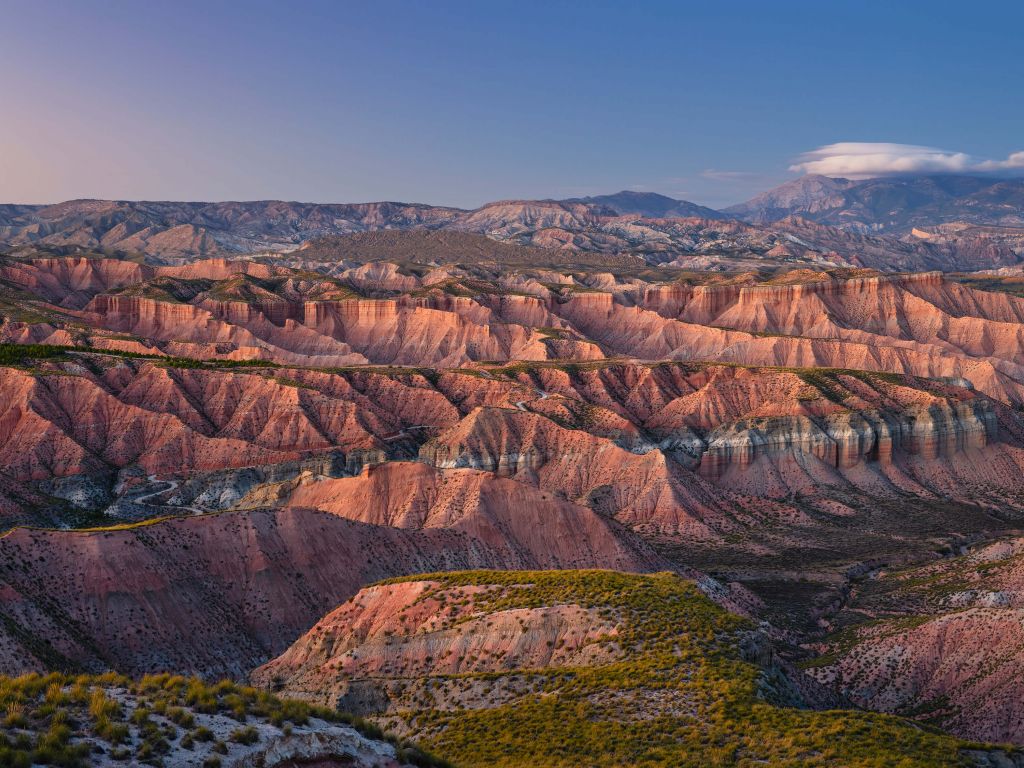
x=890 y=203
x=651 y=205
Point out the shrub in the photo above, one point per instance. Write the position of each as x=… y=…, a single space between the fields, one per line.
x=247 y=735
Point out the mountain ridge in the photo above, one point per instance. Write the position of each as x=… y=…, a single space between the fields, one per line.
x=890 y=203
x=649 y=205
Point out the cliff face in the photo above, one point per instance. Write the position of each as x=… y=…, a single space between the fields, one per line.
x=845 y=440
x=658 y=448
x=921 y=325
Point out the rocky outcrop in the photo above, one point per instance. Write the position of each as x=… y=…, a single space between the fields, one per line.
x=399 y=632
x=844 y=440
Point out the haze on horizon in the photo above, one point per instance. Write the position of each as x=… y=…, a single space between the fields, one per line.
x=460 y=103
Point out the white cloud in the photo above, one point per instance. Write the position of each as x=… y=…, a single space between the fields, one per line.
x=863 y=160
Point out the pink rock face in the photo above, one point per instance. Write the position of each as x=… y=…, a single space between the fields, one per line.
x=919 y=324
x=411 y=629
x=503 y=513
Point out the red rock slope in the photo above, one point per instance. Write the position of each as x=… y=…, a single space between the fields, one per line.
x=219 y=594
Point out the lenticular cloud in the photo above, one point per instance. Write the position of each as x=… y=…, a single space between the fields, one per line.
x=861 y=160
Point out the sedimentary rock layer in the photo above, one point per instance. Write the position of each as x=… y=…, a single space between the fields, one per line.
x=920 y=324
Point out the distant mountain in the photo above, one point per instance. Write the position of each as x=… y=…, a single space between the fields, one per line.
x=894 y=204
x=806 y=196
x=169 y=230
x=649 y=205
x=838 y=222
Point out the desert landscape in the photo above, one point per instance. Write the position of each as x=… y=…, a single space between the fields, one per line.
x=240 y=466
x=349 y=418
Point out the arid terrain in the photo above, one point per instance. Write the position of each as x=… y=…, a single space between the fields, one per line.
x=939 y=222
x=687 y=488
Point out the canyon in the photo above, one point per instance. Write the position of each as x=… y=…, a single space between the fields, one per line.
x=351 y=418
x=244 y=468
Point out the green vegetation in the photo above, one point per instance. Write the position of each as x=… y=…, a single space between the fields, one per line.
x=22 y=354
x=1011 y=284
x=18 y=354
x=555 y=333
x=173 y=290
x=680 y=694
x=60 y=719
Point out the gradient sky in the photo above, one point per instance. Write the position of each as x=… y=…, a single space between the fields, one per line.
x=461 y=103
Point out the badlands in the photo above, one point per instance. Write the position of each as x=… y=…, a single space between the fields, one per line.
x=242 y=468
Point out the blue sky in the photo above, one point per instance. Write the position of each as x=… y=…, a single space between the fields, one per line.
x=461 y=103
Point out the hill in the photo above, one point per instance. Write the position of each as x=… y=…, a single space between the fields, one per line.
x=165 y=720
x=583 y=668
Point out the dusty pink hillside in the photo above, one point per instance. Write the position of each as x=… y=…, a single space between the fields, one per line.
x=951 y=651
x=396 y=633
x=498 y=511
x=219 y=594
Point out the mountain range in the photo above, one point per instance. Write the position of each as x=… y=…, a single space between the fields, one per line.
x=891 y=204
x=929 y=222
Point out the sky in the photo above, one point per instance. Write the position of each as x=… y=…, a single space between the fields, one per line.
x=460 y=103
